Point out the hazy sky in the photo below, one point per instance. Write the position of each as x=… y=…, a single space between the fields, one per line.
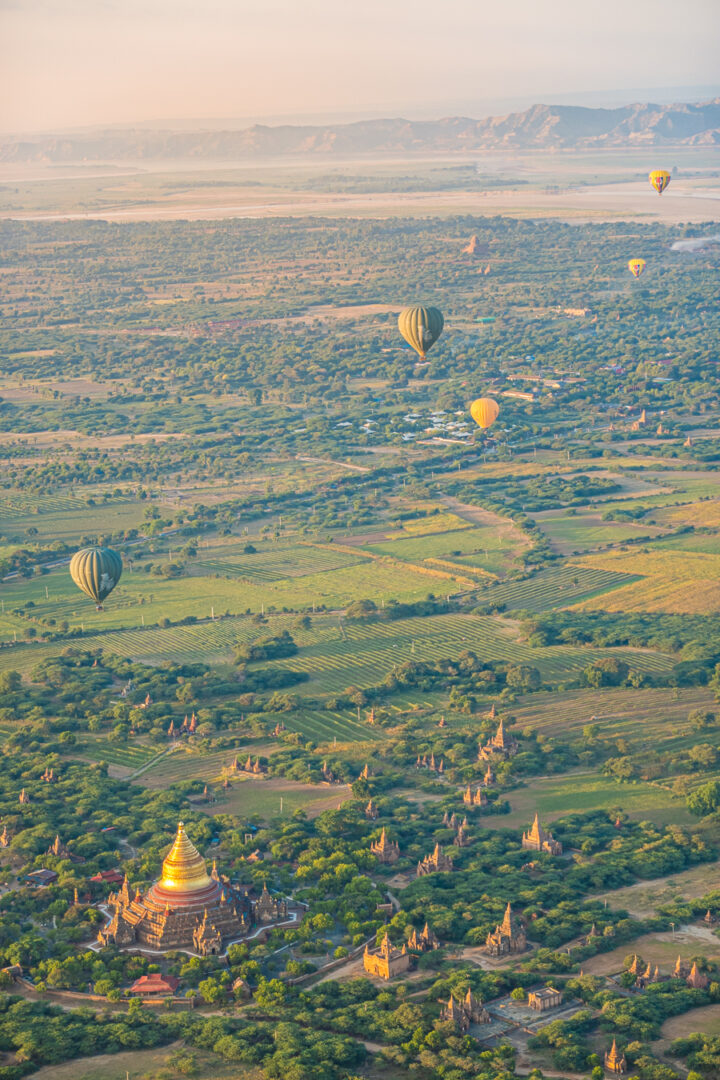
x=74 y=62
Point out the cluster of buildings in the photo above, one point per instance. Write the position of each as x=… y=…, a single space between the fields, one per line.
x=430 y=763
x=175 y=731
x=460 y=828
x=646 y=974
x=465 y=1012
x=187 y=908
x=389 y=960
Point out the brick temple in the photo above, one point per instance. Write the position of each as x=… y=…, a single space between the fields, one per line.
x=187 y=908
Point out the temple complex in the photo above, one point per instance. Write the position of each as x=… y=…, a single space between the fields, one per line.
x=425 y=941
x=508 y=937
x=61 y=850
x=431 y=864
x=474 y=798
x=615 y=1061
x=385 y=851
x=466 y=1012
x=387 y=961
x=186 y=908
x=536 y=839
x=500 y=746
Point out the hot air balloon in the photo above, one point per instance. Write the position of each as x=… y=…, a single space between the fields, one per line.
x=636 y=267
x=421 y=327
x=96 y=571
x=484 y=412
x=659 y=179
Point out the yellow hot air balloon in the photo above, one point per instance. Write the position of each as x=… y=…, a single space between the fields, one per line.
x=659 y=179
x=484 y=412
x=96 y=571
x=421 y=327
x=636 y=267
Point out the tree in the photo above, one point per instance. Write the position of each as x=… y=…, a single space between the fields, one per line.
x=271 y=992
x=608 y=671
x=211 y=991
x=524 y=677
x=705 y=799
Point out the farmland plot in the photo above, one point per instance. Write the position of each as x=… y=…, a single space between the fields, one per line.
x=648 y=720
x=557 y=588
x=274 y=564
x=679 y=582
x=141 y=598
x=569 y=533
x=369 y=651
x=481 y=547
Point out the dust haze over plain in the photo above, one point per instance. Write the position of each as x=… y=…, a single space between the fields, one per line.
x=71 y=63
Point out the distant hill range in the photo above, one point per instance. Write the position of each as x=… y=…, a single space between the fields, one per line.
x=542 y=127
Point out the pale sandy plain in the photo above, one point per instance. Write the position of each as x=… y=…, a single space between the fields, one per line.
x=633 y=201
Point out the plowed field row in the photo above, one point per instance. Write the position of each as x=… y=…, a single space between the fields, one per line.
x=557 y=588
x=370 y=651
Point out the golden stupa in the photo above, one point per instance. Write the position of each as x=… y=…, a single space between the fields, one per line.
x=183 y=868
x=187 y=908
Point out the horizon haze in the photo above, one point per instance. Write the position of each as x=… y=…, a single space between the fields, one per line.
x=75 y=64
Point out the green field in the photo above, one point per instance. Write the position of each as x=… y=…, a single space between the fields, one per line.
x=709 y=543
x=322 y=726
x=262 y=798
x=556 y=588
x=370 y=650
x=67 y=518
x=143 y=1064
x=145 y=596
x=275 y=564
x=131 y=756
x=183 y=763
x=578 y=792
x=12 y=628
x=485 y=548
x=584 y=532
x=648 y=719
x=245 y=796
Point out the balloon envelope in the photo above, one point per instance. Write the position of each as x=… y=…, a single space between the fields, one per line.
x=421 y=327
x=636 y=267
x=96 y=571
x=484 y=412
x=659 y=179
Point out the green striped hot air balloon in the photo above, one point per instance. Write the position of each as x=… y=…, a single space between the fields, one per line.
x=421 y=327
x=96 y=571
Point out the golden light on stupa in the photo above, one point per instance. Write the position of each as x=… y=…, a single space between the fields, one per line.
x=187 y=908
x=184 y=868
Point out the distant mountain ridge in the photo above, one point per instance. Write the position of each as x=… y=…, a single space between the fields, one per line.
x=542 y=127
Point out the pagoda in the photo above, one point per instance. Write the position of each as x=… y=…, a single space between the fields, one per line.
x=385 y=851
x=501 y=745
x=434 y=863
x=461 y=1014
x=386 y=961
x=186 y=908
x=536 y=839
x=615 y=1061
x=508 y=937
